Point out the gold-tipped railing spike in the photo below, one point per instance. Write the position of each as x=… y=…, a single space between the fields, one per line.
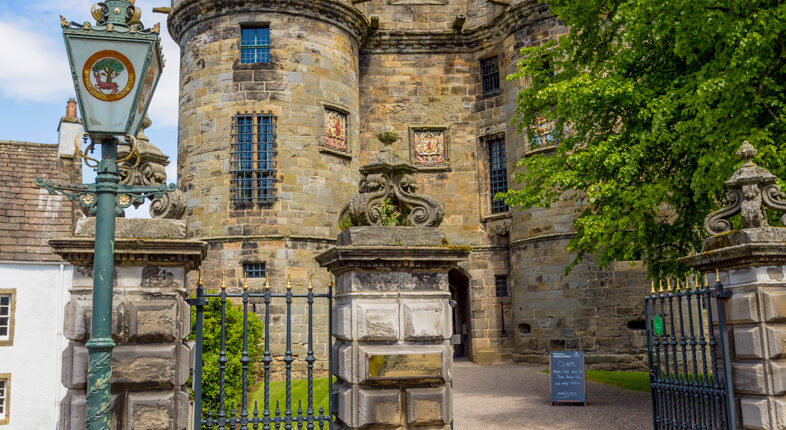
x=717 y=275
x=267 y=282
x=330 y=281
x=660 y=282
x=706 y=280
x=697 y=281
x=677 y=287
x=223 y=284
x=668 y=284
x=245 y=282
x=653 y=287
x=289 y=282
x=199 y=282
x=310 y=285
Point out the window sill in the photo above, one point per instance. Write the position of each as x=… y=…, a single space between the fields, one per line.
x=543 y=150
x=497 y=216
x=336 y=152
x=490 y=94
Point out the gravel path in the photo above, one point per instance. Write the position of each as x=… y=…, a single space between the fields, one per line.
x=516 y=396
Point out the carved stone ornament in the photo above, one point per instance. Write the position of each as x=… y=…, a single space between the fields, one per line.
x=149 y=170
x=388 y=182
x=751 y=189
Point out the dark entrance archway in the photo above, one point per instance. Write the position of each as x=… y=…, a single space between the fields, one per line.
x=462 y=313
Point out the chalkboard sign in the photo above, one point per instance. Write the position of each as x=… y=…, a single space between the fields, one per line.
x=567 y=377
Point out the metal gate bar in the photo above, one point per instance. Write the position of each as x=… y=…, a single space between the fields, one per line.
x=309 y=417
x=690 y=375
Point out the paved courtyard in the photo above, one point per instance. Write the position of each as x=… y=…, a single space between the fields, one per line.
x=515 y=396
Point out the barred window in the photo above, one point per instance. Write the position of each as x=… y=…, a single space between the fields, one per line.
x=253 y=159
x=498 y=173
x=489 y=71
x=254 y=45
x=4 y=385
x=6 y=314
x=254 y=270
x=501 y=284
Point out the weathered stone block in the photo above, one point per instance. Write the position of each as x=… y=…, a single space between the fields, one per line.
x=749 y=378
x=780 y=412
x=778 y=375
x=774 y=305
x=383 y=236
x=776 y=340
x=380 y=408
x=344 y=363
x=747 y=341
x=365 y=351
x=377 y=320
x=73 y=411
x=153 y=365
x=429 y=405
x=755 y=413
x=153 y=320
x=427 y=320
x=342 y=321
x=78 y=314
x=742 y=308
x=345 y=403
x=157 y=410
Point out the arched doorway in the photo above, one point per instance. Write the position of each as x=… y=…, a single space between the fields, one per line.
x=462 y=316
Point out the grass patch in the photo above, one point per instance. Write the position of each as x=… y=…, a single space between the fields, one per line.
x=634 y=381
x=278 y=393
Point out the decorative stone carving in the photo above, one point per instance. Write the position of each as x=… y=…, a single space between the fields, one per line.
x=336 y=130
x=751 y=189
x=429 y=147
x=149 y=168
x=388 y=192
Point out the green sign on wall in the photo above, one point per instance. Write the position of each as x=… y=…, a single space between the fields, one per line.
x=657 y=325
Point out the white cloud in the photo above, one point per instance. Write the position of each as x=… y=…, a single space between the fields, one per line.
x=34 y=67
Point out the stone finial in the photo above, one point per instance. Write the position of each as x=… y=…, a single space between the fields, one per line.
x=150 y=170
x=751 y=189
x=388 y=192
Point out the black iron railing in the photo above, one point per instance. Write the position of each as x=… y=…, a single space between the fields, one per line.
x=222 y=416
x=687 y=343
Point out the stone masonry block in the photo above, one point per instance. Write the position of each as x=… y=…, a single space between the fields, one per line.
x=157 y=410
x=377 y=320
x=747 y=342
x=426 y=320
x=780 y=412
x=429 y=405
x=365 y=351
x=152 y=365
x=342 y=321
x=778 y=370
x=77 y=316
x=153 y=320
x=379 y=408
x=776 y=340
x=73 y=411
x=344 y=365
x=755 y=413
x=742 y=308
x=345 y=404
x=749 y=378
x=774 y=305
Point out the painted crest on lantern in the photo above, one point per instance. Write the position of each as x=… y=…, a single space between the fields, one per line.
x=147 y=89
x=430 y=147
x=108 y=75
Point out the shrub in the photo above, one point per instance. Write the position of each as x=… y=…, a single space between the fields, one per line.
x=211 y=344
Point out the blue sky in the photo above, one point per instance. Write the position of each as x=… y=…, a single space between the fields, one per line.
x=34 y=75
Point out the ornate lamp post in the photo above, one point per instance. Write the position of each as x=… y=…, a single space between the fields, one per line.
x=115 y=64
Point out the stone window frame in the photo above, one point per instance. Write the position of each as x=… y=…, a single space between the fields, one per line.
x=5 y=417
x=482 y=75
x=264 y=268
x=9 y=340
x=324 y=148
x=497 y=286
x=484 y=178
x=445 y=128
x=264 y=197
x=255 y=25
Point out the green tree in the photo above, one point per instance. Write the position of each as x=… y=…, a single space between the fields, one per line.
x=653 y=98
x=109 y=67
x=211 y=346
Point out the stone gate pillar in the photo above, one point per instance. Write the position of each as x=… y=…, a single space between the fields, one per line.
x=150 y=322
x=751 y=263
x=392 y=323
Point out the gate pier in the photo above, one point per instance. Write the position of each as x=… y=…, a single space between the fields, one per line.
x=150 y=322
x=751 y=264
x=392 y=324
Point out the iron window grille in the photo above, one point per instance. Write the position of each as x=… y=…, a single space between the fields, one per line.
x=253 y=160
x=498 y=173
x=254 y=45
x=489 y=71
x=5 y=317
x=254 y=270
x=4 y=401
x=501 y=284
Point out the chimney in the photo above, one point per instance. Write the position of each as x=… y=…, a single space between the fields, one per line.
x=69 y=129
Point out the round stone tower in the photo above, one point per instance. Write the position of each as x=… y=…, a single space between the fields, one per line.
x=268 y=133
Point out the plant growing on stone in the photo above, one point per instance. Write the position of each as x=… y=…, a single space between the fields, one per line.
x=393 y=214
x=345 y=223
x=654 y=99
x=211 y=336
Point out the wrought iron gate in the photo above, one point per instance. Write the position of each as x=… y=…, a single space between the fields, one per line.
x=268 y=417
x=687 y=344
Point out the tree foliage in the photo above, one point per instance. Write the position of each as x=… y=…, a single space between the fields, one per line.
x=109 y=67
x=233 y=340
x=653 y=98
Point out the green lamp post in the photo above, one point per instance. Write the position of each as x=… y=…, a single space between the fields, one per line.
x=115 y=65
